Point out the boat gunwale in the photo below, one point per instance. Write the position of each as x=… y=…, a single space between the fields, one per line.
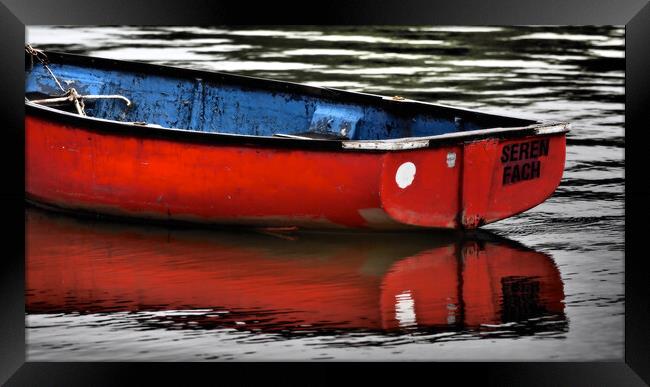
x=130 y=129
x=405 y=143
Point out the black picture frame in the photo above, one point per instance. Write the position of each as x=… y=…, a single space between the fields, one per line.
x=634 y=369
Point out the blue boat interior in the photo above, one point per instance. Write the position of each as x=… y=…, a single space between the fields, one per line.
x=213 y=102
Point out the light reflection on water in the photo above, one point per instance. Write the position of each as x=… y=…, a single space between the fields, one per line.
x=323 y=298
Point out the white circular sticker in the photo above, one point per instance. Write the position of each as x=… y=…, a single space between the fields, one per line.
x=405 y=174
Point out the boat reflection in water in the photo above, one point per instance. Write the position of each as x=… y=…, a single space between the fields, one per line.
x=317 y=283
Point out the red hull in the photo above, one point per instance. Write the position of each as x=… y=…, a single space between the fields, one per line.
x=349 y=283
x=461 y=185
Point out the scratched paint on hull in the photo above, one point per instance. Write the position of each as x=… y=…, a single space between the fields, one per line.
x=73 y=164
x=160 y=178
x=212 y=102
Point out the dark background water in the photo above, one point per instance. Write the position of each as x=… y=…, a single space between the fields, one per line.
x=199 y=295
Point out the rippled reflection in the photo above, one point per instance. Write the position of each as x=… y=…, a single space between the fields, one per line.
x=290 y=284
x=568 y=73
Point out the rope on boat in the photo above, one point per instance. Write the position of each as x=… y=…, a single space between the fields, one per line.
x=70 y=94
x=42 y=58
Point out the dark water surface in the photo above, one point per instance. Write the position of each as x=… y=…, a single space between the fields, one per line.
x=546 y=285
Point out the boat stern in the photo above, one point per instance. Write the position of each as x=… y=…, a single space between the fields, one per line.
x=475 y=182
x=502 y=178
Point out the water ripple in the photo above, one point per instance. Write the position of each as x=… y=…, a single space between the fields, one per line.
x=551 y=73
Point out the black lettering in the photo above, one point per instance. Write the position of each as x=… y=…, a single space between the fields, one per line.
x=534 y=149
x=506 y=175
x=523 y=151
x=535 y=169
x=513 y=152
x=543 y=147
x=525 y=169
x=515 y=174
x=504 y=154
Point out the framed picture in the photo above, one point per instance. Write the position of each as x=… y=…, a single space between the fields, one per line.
x=548 y=294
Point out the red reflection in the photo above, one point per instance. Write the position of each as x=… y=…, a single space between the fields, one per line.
x=342 y=281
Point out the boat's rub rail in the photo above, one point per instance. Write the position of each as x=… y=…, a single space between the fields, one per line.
x=401 y=144
x=425 y=142
x=287 y=140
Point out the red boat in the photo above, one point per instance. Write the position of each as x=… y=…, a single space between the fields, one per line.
x=144 y=141
x=315 y=282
